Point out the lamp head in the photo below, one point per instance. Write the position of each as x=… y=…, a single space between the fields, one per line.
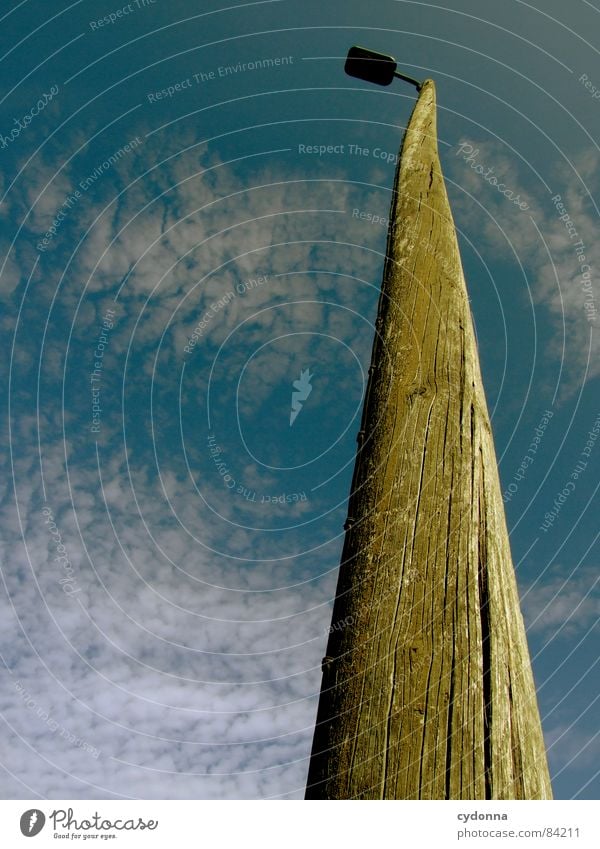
x=370 y=66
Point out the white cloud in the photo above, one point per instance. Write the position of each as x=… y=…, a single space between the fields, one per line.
x=554 y=273
x=190 y=655
x=563 y=605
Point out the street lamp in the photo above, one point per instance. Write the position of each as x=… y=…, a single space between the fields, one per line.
x=374 y=67
x=428 y=693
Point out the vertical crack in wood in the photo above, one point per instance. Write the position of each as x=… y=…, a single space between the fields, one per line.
x=484 y=613
x=449 y=737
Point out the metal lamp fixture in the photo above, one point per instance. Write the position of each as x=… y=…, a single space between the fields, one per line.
x=375 y=67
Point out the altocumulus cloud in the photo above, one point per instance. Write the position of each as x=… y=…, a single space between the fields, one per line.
x=184 y=659
x=551 y=257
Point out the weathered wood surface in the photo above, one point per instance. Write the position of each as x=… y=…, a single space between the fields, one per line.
x=427 y=689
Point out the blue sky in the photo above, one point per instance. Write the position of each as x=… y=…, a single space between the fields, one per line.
x=169 y=542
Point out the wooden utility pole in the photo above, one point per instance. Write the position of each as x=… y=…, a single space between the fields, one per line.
x=427 y=686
